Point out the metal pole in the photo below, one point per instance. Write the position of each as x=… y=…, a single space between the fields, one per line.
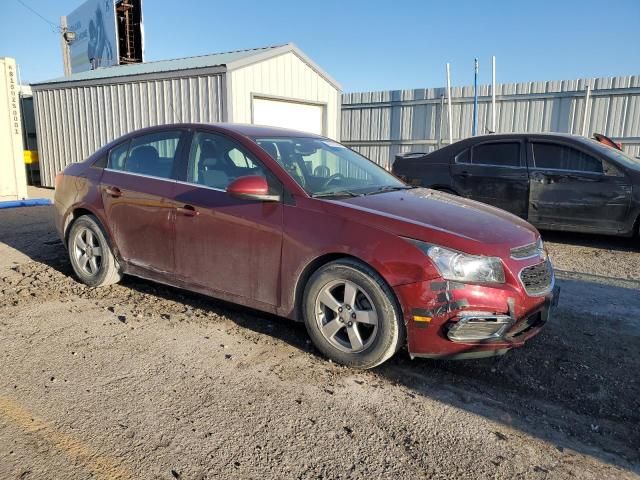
x=441 y=117
x=475 y=97
x=449 y=102
x=586 y=111
x=66 y=61
x=493 y=94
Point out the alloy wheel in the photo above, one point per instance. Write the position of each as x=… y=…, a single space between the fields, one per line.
x=346 y=316
x=87 y=251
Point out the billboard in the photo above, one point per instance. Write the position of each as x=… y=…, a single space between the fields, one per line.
x=96 y=41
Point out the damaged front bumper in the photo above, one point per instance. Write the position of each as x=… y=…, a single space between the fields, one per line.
x=455 y=320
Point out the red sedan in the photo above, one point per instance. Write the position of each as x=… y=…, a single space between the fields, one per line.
x=300 y=226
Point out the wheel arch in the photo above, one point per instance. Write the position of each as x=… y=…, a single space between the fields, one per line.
x=80 y=211
x=72 y=216
x=319 y=262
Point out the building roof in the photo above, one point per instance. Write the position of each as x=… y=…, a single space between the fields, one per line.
x=224 y=61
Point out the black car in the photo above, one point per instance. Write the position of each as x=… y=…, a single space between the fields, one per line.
x=555 y=181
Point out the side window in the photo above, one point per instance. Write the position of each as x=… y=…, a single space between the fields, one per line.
x=215 y=161
x=503 y=154
x=560 y=157
x=118 y=156
x=101 y=162
x=464 y=156
x=153 y=154
x=239 y=159
x=610 y=170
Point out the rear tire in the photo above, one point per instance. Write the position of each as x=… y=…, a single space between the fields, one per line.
x=351 y=314
x=91 y=257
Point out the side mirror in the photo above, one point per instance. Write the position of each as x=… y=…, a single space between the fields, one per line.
x=252 y=187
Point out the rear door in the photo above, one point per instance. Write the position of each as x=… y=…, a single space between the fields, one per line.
x=225 y=244
x=493 y=172
x=137 y=189
x=573 y=188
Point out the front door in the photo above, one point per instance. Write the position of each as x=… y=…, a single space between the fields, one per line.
x=137 y=187
x=225 y=244
x=575 y=190
x=493 y=172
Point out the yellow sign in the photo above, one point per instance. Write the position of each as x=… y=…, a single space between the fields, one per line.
x=30 y=156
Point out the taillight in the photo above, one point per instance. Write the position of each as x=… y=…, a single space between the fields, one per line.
x=58 y=180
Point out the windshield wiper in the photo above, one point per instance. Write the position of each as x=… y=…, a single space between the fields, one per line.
x=337 y=193
x=390 y=188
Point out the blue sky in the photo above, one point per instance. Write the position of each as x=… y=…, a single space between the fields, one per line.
x=368 y=45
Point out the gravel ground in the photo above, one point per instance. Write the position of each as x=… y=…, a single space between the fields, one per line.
x=595 y=255
x=139 y=380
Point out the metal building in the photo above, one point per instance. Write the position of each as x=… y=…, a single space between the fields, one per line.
x=277 y=86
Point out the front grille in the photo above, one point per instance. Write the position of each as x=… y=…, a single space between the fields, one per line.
x=537 y=279
x=525 y=251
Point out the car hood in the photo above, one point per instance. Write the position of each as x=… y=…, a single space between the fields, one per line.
x=430 y=215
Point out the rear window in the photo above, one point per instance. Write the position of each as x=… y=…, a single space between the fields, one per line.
x=118 y=156
x=503 y=154
x=464 y=156
x=153 y=154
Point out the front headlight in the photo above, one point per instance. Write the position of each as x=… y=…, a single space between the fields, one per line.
x=461 y=267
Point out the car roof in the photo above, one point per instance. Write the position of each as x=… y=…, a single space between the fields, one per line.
x=247 y=130
x=467 y=142
x=498 y=136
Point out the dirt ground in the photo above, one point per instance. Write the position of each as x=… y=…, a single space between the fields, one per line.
x=144 y=381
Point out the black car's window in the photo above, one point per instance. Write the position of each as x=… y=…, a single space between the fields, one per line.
x=118 y=156
x=215 y=161
x=464 y=156
x=610 y=170
x=503 y=154
x=617 y=156
x=153 y=154
x=561 y=157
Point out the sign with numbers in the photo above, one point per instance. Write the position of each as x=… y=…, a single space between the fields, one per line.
x=13 y=182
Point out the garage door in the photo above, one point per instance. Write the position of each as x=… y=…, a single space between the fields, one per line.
x=281 y=113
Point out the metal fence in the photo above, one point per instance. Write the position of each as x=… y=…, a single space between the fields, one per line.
x=382 y=124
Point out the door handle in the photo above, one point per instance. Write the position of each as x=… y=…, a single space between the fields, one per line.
x=113 y=191
x=188 y=211
x=464 y=173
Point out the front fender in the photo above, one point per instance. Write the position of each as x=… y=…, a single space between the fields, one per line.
x=307 y=240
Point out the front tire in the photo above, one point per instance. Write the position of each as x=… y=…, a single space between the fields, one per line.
x=90 y=254
x=351 y=314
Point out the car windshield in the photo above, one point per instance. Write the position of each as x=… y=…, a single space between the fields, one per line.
x=325 y=168
x=616 y=155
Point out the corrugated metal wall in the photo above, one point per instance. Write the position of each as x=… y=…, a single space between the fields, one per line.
x=74 y=122
x=382 y=124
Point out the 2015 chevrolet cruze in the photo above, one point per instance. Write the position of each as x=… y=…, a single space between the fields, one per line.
x=300 y=226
